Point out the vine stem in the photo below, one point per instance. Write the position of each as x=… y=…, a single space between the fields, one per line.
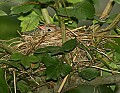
x=63 y=31
x=46 y=15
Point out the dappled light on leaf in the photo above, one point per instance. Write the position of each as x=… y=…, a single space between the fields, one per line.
x=29 y=22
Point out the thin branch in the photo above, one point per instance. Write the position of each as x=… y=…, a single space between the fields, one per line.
x=62 y=85
x=102 y=80
x=107 y=9
x=14 y=81
x=34 y=80
x=104 y=69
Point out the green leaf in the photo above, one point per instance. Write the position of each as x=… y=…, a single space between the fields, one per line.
x=48 y=60
x=54 y=71
x=39 y=56
x=84 y=10
x=16 y=56
x=117 y=1
x=89 y=73
x=30 y=21
x=23 y=86
x=48 y=49
x=3 y=85
x=41 y=50
x=73 y=1
x=37 y=11
x=65 y=69
x=54 y=68
x=69 y=11
x=22 y=8
x=81 y=10
x=69 y=45
x=2 y=13
x=15 y=64
x=32 y=59
x=54 y=50
x=25 y=62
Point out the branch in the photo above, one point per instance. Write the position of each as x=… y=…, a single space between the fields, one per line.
x=77 y=80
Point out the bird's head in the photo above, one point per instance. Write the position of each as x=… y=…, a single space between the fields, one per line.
x=49 y=28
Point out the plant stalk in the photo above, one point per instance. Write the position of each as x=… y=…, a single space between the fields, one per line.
x=46 y=15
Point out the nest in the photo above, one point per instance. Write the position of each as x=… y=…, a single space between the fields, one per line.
x=28 y=44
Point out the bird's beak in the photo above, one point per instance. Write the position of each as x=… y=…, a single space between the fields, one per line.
x=41 y=27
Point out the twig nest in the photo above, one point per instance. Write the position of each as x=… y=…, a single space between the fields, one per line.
x=42 y=38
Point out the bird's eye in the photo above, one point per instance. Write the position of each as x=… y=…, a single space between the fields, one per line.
x=49 y=29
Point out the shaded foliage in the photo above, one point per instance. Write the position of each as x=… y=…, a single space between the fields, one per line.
x=51 y=68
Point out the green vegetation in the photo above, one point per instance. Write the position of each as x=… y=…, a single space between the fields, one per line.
x=71 y=59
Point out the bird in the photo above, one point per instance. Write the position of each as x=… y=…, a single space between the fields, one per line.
x=41 y=30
